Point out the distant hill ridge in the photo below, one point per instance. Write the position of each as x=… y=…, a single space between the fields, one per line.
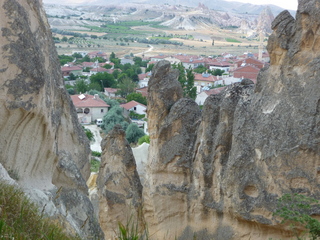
x=220 y=5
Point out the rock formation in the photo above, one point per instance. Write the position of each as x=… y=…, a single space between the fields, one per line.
x=118 y=183
x=41 y=139
x=218 y=176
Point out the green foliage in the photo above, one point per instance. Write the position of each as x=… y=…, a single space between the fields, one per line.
x=295 y=209
x=65 y=59
x=143 y=139
x=186 y=81
x=77 y=55
x=113 y=116
x=137 y=97
x=21 y=219
x=96 y=154
x=72 y=76
x=150 y=67
x=88 y=133
x=126 y=86
x=134 y=115
x=217 y=72
x=200 y=69
x=232 y=40
x=94 y=165
x=133 y=133
x=81 y=86
x=103 y=79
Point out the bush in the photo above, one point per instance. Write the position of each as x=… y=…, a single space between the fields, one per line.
x=89 y=134
x=21 y=219
x=96 y=154
x=143 y=139
x=133 y=133
x=94 y=165
x=296 y=210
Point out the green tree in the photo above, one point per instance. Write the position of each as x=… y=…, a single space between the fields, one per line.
x=81 y=86
x=217 y=72
x=200 y=69
x=64 y=39
x=150 y=67
x=104 y=79
x=296 y=210
x=112 y=56
x=72 y=76
x=136 y=97
x=65 y=59
x=126 y=86
x=77 y=55
x=107 y=66
x=114 y=116
x=133 y=133
x=143 y=139
x=190 y=90
x=137 y=61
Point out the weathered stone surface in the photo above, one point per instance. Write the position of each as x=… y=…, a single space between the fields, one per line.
x=41 y=139
x=172 y=125
x=118 y=183
x=254 y=143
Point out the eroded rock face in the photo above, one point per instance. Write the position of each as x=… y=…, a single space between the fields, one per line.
x=118 y=183
x=254 y=143
x=41 y=139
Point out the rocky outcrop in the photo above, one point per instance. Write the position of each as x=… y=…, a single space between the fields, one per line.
x=172 y=121
x=265 y=20
x=219 y=178
x=118 y=184
x=41 y=139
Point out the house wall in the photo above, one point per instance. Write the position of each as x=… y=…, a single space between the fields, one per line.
x=139 y=109
x=226 y=69
x=201 y=97
x=93 y=115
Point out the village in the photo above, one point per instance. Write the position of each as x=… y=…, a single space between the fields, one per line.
x=210 y=76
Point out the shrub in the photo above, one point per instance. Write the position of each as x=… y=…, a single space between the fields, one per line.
x=133 y=133
x=89 y=134
x=96 y=154
x=21 y=219
x=143 y=139
x=296 y=210
x=94 y=165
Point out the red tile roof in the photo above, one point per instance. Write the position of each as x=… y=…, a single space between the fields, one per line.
x=88 y=101
x=70 y=68
x=251 y=61
x=143 y=91
x=204 y=77
x=248 y=71
x=131 y=104
x=111 y=90
x=214 y=91
x=99 y=69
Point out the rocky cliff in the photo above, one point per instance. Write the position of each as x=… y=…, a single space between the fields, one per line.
x=118 y=184
x=41 y=141
x=218 y=175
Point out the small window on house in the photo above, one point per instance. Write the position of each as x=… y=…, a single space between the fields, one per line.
x=86 y=110
x=134 y=108
x=101 y=110
x=79 y=110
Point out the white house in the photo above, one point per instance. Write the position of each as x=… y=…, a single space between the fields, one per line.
x=135 y=107
x=89 y=108
x=201 y=97
x=110 y=92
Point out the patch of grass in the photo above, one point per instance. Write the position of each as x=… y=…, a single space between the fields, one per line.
x=94 y=165
x=232 y=40
x=21 y=219
x=163 y=38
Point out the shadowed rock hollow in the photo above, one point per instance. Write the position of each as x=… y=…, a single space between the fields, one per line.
x=219 y=175
x=41 y=139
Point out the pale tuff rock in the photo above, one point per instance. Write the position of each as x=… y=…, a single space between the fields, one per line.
x=41 y=138
x=118 y=183
x=221 y=179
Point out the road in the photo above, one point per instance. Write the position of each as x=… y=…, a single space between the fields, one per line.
x=95 y=145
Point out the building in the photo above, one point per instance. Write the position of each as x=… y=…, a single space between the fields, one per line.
x=89 y=108
x=134 y=106
x=110 y=92
x=67 y=70
x=98 y=54
x=204 y=80
x=201 y=97
x=248 y=71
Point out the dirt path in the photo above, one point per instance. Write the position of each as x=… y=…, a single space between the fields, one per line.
x=95 y=145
